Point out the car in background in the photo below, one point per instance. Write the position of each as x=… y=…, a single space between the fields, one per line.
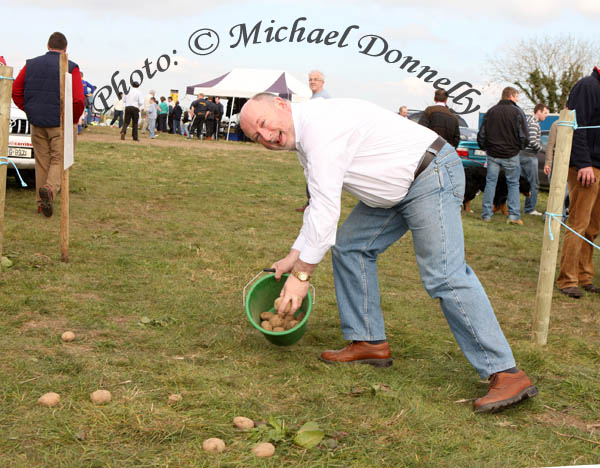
x=544 y=181
x=20 y=148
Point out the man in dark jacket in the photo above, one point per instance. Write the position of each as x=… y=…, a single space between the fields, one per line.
x=439 y=119
x=218 y=116
x=177 y=111
x=576 y=262
x=36 y=90
x=503 y=134
x=198 y=110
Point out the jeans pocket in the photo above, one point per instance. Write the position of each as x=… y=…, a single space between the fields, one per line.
x=456 y=177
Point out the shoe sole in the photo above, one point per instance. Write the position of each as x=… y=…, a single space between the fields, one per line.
x=46 y=204
x=371 y=362
x=529 y=392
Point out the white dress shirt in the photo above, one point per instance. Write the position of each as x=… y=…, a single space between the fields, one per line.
x=133 y=98
x=356 y=146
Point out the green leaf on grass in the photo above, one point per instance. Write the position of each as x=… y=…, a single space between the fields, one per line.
x=309 y=435
x=6 y=263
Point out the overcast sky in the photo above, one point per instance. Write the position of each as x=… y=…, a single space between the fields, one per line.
x=451 y=37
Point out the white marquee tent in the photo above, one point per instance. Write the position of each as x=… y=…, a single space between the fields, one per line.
x=246 y=82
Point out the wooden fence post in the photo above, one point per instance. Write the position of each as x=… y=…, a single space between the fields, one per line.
x=560 y=170
x=5 y=96
x=64 y=185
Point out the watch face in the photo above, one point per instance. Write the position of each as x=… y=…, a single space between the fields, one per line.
x=301 y=275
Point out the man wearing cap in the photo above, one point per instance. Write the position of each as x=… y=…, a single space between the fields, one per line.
x=406 y=178
x=36 y=90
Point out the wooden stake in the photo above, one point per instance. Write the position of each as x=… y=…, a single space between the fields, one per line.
x=5 y=95
x=560 y=170
x=64 y=185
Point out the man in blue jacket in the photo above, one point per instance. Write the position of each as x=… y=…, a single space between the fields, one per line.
x=576 y=262
x=88 y=91
x=36 y=90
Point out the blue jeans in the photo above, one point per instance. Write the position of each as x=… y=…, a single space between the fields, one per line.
x=152 y=126
x=186 y=129
x=529 y=169
x=512 y=169
x=432 y=212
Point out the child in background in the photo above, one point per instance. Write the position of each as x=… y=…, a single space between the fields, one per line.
x=152 y=114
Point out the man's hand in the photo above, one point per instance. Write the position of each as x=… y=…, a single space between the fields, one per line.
x=285 y=265
x=293 y=291
x=586 y=177
x=547 y=170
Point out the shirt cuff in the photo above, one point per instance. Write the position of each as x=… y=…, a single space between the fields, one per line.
x=312 y=255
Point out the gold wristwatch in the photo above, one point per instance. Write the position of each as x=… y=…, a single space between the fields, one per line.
x=301 y=275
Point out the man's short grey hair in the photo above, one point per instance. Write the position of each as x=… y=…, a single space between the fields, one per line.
x=318 y=72
x=265 y=97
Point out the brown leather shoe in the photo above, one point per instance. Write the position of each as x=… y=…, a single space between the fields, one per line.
x=47 y=198
x=574 y=292
x=301 y=210
x=591 y=288
x=360 y=352
x=505 y=390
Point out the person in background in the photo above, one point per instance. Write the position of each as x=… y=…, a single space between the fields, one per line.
x=163 y=111
x=177 y=111
x=88 y=91
x=152 y=114
x=550 y=148
x=118 y=111
x=577 y=259
x=186 y=124
x=134 y=103
x=170 y=114
x=36 y=90
x=218 y=116
x=316 y=82
x=198 y=110
x=528 y=159
x=503 y=134
x=210 y=118
x=144 y=122
x=439 y=119
x=403 y=111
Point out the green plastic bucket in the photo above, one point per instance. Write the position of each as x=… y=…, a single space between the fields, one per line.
x=260 y=299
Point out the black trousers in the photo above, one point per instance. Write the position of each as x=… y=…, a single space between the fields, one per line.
x=162 y=122
x=132 y=114
x=210 y=127
x=197 y=125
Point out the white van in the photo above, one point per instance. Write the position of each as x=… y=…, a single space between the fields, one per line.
x=20 y=149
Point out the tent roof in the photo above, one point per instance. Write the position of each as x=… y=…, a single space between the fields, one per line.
x=246 y=82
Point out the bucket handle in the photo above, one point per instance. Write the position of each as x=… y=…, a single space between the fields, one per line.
x=272 y=270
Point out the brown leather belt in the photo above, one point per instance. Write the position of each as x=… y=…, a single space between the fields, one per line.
x=430 y=154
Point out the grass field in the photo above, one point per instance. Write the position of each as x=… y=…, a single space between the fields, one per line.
x=164 y=236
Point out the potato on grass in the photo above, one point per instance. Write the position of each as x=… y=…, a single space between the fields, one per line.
x=264 y=449
x=243 y=423
x=174 y=398
x=49 y=399
x=100 y=396
x=67 y=336
x=213 y=445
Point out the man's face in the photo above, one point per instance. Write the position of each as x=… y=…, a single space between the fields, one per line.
x=315 y=82
x=514 y=98
x=269 y=123
x=403 y=111
x=542 y=114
